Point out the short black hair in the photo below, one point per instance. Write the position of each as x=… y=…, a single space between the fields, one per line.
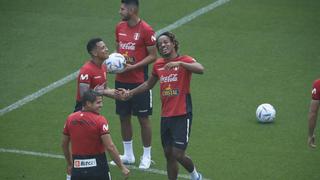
x=89 y=96
x=92 y=43
x=172 y=38
x=131 y=2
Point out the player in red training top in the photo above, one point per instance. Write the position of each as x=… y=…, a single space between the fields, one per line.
x=135 y=39
x=93 y=73
x=313 y=112
x=88 y=133
x=174 y=73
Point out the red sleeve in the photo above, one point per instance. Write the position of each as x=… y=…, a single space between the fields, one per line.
x=103 y=126
x=66 y=128
x=154 y=71
x=116 y=33
x=189 y=59
x=316 y=90
x=149 y=36
x=84 y=76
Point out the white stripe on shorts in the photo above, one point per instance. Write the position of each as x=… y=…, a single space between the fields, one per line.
x=188 y=123
x=150 y=98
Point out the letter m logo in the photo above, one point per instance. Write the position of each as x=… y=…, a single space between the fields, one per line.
x=84 y=76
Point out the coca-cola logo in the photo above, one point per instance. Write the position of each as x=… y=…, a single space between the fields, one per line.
x=127 y=46
x=170 y=78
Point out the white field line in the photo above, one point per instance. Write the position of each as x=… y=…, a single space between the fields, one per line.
x=72 y=76
x=57 y=156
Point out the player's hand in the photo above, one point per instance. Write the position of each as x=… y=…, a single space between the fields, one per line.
x=125 y=172
x=171 y=65
x=128 y=67
x=68 y=169
x=120 y=94
x=312 y=141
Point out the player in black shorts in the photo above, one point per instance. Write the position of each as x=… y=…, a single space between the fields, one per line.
x=139 y=105
x=174 y=73
x=175 y=131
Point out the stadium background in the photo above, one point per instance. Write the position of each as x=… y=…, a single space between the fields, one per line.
x=253 y=51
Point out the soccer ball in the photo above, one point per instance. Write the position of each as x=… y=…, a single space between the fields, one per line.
x=115 y=63
x=265 y=113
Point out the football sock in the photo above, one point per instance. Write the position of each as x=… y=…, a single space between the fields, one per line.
x=194 y=174
x=128 y=150
x=147 y=151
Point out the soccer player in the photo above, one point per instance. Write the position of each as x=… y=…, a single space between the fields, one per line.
x=174 y=73
x=88 y=133
x=93 y=74
x=135 y=39
x=313 y=113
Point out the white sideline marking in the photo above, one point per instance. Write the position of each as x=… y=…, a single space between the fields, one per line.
x=72 y=76
x=57 y=156
x=39 y=93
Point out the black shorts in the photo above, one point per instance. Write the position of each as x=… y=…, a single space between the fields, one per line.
x=92 y=167
x=78 y=106
x=139 y=105
x=175 y=131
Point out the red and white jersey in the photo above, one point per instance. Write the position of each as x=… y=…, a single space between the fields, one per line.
x=85 y=130
x=174 y=86
x=132 y=44
x=91 y=74
x=316 y=90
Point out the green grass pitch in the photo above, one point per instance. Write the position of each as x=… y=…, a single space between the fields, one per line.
x=253 y=52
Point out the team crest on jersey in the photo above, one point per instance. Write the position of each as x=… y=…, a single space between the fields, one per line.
x=168 y=91
x=136 y=36
x=314 y=91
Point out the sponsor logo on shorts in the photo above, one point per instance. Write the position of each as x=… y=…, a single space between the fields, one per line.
x=84 y=163
x=142 y=111
x=181 y=143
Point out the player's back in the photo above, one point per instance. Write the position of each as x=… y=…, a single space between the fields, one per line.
x=84 y=133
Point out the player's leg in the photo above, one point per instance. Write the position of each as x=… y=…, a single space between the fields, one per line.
x=172 y=163
x=181 y=129
x=167 y=145
x=146 y=135
x=127 y=134
x=146 y=132
x=142 y=108
x=124 y=109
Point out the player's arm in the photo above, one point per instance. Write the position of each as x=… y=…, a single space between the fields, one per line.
x=149 y=84
x=108 y=92
x=112 y=149
x=313 y=114
x=194 y=67
x=66 y=151
x=150 y=58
